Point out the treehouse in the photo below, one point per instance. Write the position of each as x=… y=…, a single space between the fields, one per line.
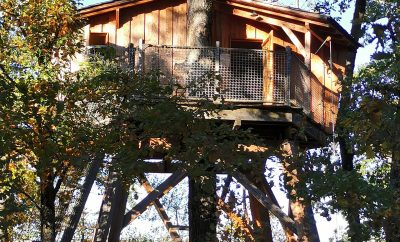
x=279 y=66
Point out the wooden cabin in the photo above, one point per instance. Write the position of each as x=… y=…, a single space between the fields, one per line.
x=274 y=62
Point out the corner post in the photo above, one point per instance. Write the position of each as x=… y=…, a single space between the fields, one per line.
x=217 y=88
x=288 y=51
x=140 y=57
x=131 y=58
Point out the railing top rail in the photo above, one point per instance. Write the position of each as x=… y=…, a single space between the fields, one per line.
x=208 y=47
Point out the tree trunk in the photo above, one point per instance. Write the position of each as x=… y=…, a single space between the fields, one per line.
x=48 y=211
x=392 y=221
x=104 y=220
x=300 y=206
x=202 y=209
x=118 y=211
x=346 y=151
x=202 y=189
x=261 y=219
x=80 y=202
x=199 y=22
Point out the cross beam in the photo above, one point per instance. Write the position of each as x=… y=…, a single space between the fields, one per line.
x=157 y=193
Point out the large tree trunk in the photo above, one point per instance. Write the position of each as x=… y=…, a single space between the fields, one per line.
x=104 y=220
x=300 y=206
x=202 y=200
x=48 y=211
x=346 y=150
x=80 y=202
x=200 y=21
x=392 y=221
x=202 y=209
x=261 y=219
x=118 y=211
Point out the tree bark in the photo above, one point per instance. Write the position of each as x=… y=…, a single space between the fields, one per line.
x=391 y=224
x=80 y=202
x=118 y=207
x=48 y=211
x=202 y=209
x=300 y=206
x=261 y=219
x=199 y=22
x=104 y=220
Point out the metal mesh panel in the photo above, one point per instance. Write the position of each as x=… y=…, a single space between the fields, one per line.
x=317 y=105
x=280 y=76
x=300 y=84
x=331 y=102
x=241 y=73
x=192 y=68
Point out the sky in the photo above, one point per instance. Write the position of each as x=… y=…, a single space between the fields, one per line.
x=325 y=228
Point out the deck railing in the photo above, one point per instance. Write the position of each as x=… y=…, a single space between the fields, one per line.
x=235 y=75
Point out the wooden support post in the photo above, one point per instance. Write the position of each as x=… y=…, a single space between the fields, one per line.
x=161 y=212
x=131 y=58
x=202 y=208
x=141 y=57
x=288 y=74
x=217 y=85
x=307 y=47
x=160 y=191
x=86 y=33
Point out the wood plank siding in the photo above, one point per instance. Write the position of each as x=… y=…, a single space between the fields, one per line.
x=238 y=24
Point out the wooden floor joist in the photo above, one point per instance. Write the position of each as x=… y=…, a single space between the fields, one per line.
x=157 y=193
x=162 y=213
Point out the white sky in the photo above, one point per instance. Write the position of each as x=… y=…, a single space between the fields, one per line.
x=326 y=229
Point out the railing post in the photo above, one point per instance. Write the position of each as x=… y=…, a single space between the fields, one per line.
x=288 y=69
x=131 y=58
x=217 y=87
x=140 y=57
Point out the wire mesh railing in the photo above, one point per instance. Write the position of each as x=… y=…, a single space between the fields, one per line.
x=239 y=75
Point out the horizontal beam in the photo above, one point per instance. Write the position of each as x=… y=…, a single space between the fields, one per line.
x=180 y=227
x=111 y=7
x=253 y=114
x=253 y=6
x=268 y=20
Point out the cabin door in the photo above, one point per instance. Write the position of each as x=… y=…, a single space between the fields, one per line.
x=268 y=69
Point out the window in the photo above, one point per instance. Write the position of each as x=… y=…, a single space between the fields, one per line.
x=98 y=39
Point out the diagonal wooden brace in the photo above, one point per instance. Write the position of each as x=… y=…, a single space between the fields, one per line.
x=285 y=220
x=157 y=193
x=161 y=211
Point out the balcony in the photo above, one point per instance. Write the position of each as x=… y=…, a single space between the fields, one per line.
x=251 y=77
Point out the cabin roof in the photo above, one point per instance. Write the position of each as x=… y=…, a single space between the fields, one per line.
x=250 y=5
